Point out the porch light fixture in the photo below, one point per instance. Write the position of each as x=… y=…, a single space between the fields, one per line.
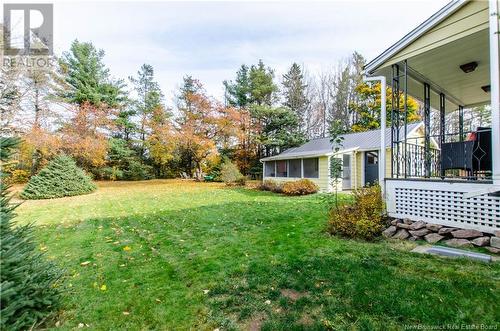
x=469 y=67
x=486 y=88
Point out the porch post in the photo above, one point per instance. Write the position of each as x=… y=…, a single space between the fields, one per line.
x=495 y=91
x=442 y=137
x=427 y=125
x=461 y=122
x=383 y=120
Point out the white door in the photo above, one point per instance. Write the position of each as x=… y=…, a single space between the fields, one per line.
x=346 y=172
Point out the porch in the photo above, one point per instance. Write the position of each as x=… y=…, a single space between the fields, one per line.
x=449 y=175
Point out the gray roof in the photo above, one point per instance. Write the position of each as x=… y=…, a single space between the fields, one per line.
x=360 y=140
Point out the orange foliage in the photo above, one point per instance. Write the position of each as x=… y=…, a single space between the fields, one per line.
x=161 y=140
x=84 y=137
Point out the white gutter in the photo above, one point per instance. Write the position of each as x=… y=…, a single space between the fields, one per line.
x=495 y=91
x=381 y=157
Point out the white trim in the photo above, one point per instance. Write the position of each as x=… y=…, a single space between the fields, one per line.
x=416 y=33
x=362 y=168
x=280 y=157
x=301 y=168
x=350 y=155
x=495 y=91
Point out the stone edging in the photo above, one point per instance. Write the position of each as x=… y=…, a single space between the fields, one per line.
x=433 y=233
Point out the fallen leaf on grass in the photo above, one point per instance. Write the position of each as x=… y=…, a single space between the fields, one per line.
x=206 y=291
x=126 y=313
x=103 y=287
x=83 y=264
x=127 y=248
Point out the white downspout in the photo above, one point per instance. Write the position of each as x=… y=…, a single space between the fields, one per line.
x=495 y=92
x=381 y=157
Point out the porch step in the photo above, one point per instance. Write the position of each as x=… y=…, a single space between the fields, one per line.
x=453 y=253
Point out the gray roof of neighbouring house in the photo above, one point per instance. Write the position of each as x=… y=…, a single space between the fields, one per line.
x=360 y=140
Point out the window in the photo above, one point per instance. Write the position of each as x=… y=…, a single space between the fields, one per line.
x=270 y=170
x=372 y=157
x=294 y=168
x=311 y=168
x=281 y=169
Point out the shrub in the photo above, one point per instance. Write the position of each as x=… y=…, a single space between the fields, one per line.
x=111 y=173
x=231 y=175
x=136 y=170
x=300 y=187
x=19 y=176
x=29 y=289
x=363 y=219
x=60 y=178
x=271 y=185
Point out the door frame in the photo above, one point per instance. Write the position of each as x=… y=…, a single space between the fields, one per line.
x=350 y=155
x=363 y=165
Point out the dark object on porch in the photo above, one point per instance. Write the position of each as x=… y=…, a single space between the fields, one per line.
x=473 y=155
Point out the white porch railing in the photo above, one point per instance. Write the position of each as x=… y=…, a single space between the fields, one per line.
x=444 y=202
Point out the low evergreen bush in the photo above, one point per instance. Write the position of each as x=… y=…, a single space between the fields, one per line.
x=363 y=219
x=231 y=175
x=300 y=187
x=29 y=283
x=60 y=178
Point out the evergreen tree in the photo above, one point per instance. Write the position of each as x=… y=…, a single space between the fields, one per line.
x=87 y=79
x=149 y=96
x=294 y=92
x=125 y=124
x=278 y=131
x=60 y=178
x=238 y=93
x=261 y=84
x=29 y=289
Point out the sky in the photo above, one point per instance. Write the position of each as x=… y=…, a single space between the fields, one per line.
x=210 y=40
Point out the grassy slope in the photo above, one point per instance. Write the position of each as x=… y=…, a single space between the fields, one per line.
x=245 y=247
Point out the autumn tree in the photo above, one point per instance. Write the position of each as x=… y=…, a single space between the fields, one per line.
x=197 y=127
x=84 y=135
x=369 y=105
x=161 y=140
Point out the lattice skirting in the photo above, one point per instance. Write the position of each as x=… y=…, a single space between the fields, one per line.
x=443 y=203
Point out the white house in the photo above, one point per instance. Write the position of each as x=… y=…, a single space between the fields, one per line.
x=449 y=62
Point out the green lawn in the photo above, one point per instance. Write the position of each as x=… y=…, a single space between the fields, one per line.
x=164 y=255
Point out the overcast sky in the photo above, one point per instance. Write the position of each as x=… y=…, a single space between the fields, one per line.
x=210 y=40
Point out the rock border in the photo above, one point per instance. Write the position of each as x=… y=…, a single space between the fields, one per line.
x=405 y=229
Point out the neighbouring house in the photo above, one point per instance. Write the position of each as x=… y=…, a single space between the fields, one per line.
x=358 y=152
x=449 y=62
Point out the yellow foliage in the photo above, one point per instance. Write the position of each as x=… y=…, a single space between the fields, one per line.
x=363 y=219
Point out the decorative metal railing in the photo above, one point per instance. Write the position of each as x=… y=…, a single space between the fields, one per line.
x=463 y=155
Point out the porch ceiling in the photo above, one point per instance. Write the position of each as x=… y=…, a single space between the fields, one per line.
x=440 y=67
